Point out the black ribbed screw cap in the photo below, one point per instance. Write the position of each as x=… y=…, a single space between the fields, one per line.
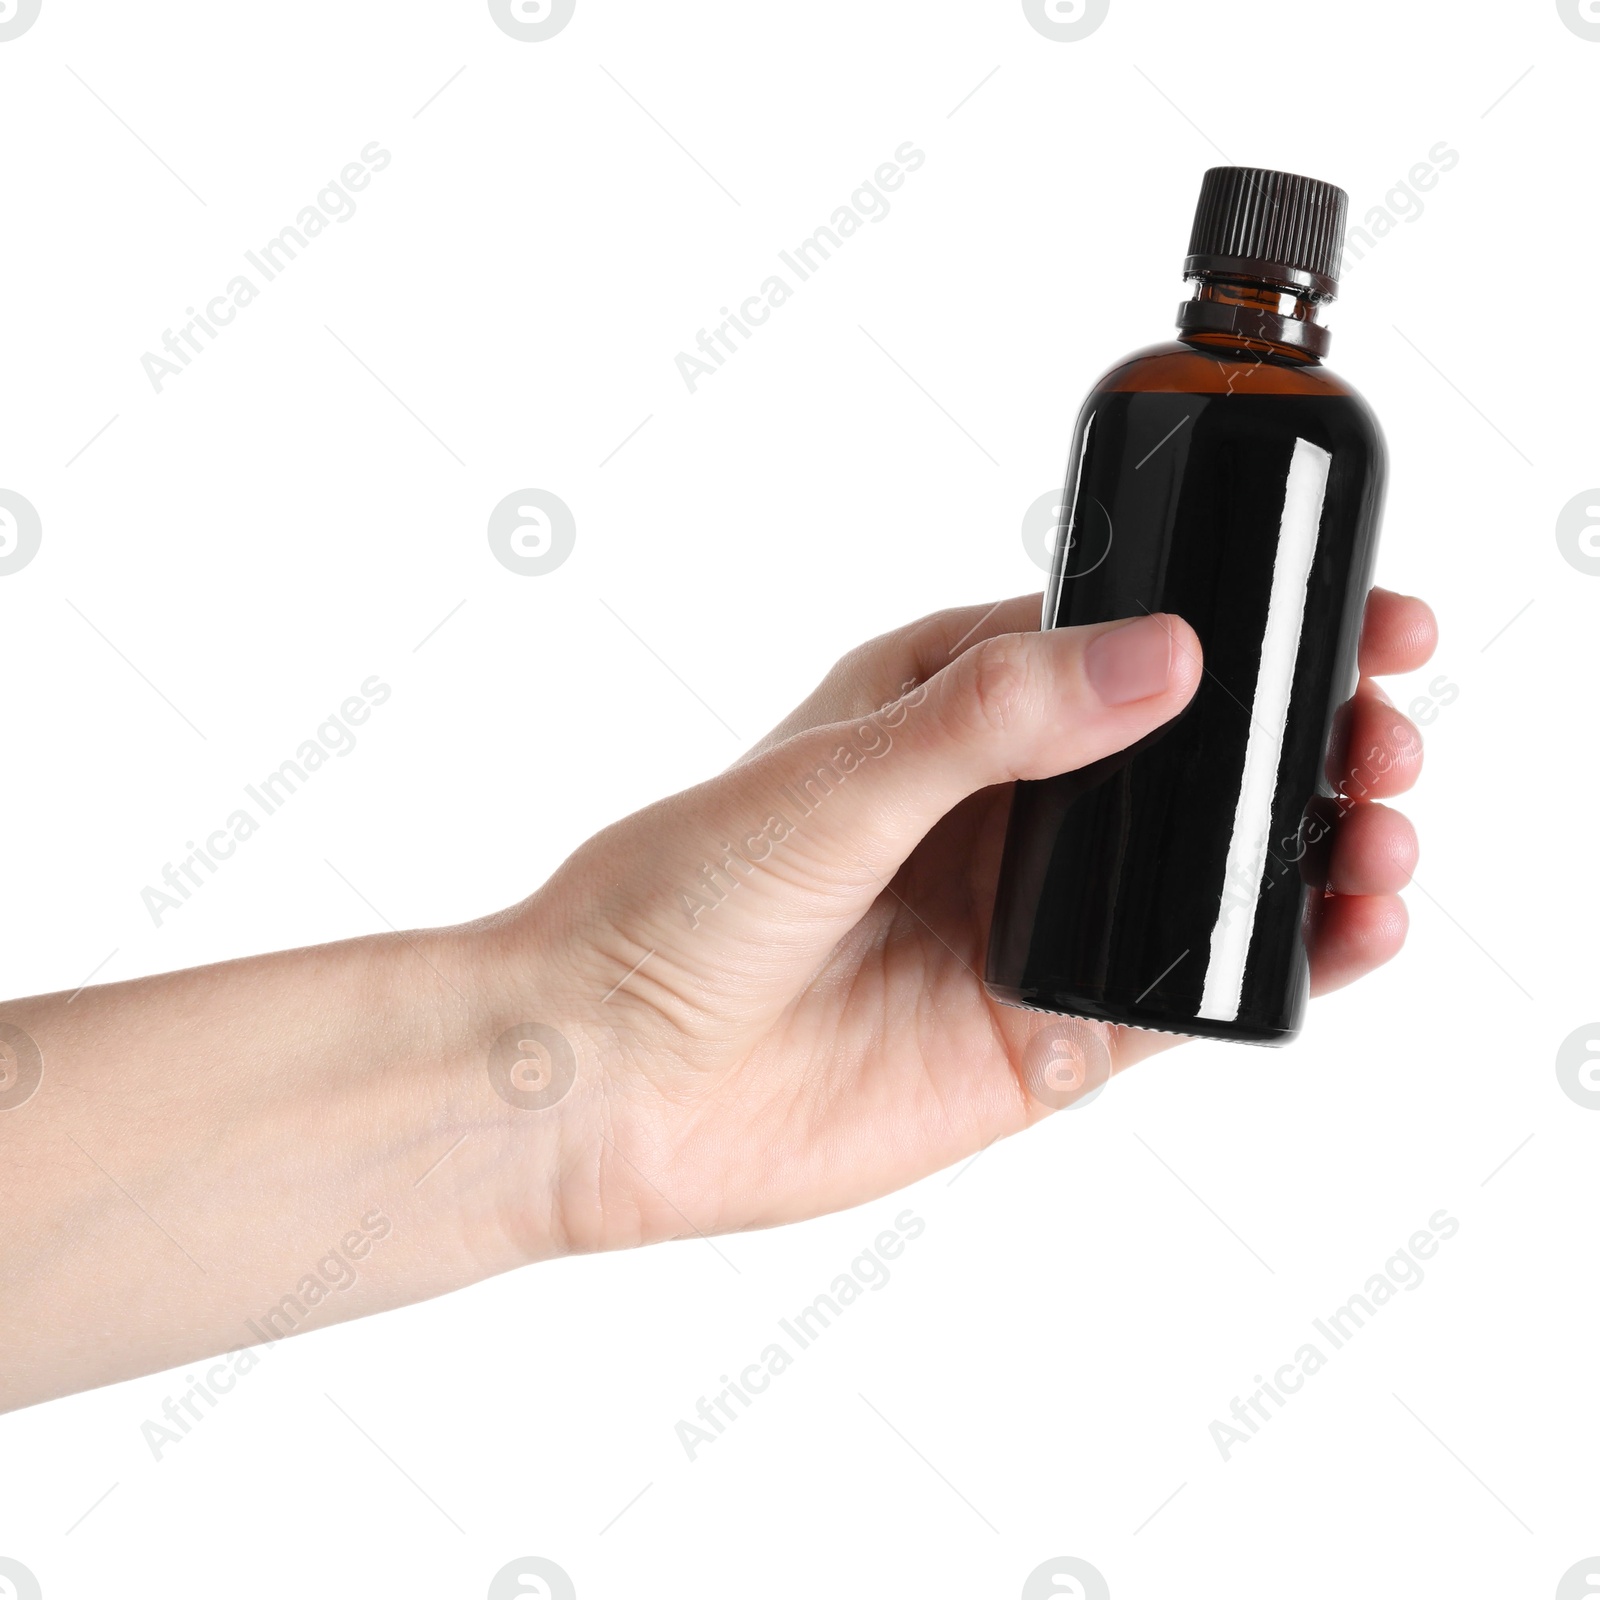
x=1276 y=226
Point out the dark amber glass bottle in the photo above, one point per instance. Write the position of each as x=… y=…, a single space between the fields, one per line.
x=1230 y=478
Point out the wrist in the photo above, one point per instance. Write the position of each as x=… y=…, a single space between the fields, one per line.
x=529 y=1069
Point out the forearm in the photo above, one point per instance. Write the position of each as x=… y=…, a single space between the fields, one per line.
x=219 y=1157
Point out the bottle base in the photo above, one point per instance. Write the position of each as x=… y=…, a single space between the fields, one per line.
x=1060 y=1002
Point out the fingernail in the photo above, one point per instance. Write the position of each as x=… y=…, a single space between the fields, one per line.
x=1131 y=662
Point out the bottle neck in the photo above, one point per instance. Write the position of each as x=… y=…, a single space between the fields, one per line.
x=1252 y=316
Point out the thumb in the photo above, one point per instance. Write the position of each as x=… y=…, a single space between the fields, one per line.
x=833 y=812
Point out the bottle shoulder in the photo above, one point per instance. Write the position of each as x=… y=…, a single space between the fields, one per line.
x=1179 y=367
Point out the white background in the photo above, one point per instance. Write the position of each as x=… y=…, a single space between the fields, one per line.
x=274 y=527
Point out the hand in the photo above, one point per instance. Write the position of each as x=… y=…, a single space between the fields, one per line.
x=753 y=1002
x=770 y=982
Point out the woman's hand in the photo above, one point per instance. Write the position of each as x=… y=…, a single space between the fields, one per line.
x=760 y=1000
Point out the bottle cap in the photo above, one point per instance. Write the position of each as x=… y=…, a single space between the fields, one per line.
x=1273 y=227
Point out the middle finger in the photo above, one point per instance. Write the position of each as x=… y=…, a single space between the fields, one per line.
x=1376 y=751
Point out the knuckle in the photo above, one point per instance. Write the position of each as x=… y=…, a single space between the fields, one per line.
x=866 y=665
x=849 y=666
x=998 y=677
x=936 y=630
x=925 y=642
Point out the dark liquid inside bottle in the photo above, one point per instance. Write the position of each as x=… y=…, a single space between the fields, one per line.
x=1170 y=886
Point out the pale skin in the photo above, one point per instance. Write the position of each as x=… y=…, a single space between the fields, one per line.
x=762 y=1045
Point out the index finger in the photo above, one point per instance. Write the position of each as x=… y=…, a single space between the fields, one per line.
x=886 y=667
x=1398 y=633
